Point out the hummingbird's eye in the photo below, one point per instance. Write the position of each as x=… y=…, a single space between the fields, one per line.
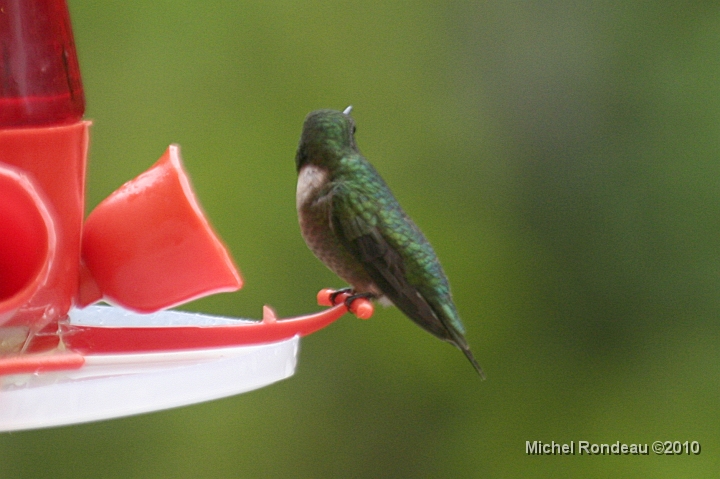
x=354 y=128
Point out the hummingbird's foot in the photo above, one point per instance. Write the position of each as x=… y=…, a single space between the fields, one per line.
x=338 y=292
x=359 y=304
x=356 y=303
x=355 y=296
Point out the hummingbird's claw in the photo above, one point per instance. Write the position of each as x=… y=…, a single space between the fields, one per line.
x=358 y=304
x=351 y=299
x=338 y=292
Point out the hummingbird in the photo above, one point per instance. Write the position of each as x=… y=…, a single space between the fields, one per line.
x=352 y=222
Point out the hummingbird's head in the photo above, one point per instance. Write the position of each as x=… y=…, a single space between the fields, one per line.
x=327 y=136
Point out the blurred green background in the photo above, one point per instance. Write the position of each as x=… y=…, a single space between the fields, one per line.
x=563 y=159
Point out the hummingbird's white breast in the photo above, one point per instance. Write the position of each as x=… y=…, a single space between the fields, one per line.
x=310 y=179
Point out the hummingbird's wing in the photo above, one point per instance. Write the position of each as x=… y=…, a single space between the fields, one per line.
x=356 y=227
x=385 y=265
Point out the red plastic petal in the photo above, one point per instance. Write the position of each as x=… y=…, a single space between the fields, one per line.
x=148 y=246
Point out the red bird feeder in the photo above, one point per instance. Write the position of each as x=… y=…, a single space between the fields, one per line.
x=145 y=248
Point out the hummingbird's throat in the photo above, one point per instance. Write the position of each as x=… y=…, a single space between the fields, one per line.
x=311 y=179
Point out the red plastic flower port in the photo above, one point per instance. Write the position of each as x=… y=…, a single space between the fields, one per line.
x=148 y=246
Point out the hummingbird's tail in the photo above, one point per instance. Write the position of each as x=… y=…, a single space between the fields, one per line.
x=471 y=358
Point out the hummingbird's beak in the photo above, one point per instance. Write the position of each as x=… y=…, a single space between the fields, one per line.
x=347 y=110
